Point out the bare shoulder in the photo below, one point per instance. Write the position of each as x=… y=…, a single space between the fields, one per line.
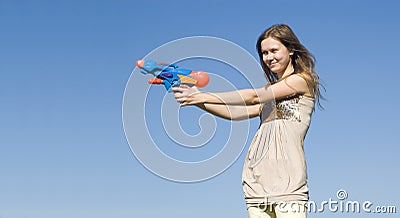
x=299 y=82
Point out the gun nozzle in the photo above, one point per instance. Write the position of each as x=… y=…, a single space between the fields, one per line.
x=155 y=81
x=140 y=63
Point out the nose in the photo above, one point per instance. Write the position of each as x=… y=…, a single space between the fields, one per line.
x=268 y=58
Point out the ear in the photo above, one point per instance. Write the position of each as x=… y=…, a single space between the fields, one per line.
x=291 y=51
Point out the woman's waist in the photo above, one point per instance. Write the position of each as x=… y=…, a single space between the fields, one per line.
x=276 y=120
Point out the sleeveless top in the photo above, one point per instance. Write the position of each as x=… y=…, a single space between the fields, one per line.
x=275 y=167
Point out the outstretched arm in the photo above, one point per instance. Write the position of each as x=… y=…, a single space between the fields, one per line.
x=292 y=85
x=231 y=112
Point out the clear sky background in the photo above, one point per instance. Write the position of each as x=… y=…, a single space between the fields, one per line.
x=63 y=71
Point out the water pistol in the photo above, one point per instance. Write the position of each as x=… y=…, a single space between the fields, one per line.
x=171 y=75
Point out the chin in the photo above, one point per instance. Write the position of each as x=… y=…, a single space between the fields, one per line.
x=276 y=70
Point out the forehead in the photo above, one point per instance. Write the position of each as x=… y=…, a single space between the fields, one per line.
x=270 y=43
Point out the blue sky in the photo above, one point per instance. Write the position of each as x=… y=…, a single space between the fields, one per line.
x=64 y=69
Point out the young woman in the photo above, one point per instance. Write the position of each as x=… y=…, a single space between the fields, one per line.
x=274 y=175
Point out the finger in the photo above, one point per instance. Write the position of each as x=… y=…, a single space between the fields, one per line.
x=177 y=95
x=181 y=100
x=185 y=86
x=181 y=88
x=195 y=88
x=177 y=89
x=180 y=95
x=186 y=101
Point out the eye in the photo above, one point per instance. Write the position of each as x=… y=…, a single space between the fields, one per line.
x=265 y=52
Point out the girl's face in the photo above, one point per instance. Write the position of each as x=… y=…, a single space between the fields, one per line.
x=276 y=56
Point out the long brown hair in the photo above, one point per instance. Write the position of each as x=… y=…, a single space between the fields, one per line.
x=302 y=60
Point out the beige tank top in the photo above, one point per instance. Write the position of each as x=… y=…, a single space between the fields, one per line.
x=275 y=166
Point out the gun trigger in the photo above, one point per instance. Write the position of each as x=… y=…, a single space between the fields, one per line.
x=168 y=75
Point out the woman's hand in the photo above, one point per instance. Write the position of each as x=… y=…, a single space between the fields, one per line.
x=186 y=95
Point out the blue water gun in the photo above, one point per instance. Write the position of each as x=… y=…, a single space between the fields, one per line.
x=171 y=75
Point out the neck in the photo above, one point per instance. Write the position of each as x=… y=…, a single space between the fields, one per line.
x=289 y=70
